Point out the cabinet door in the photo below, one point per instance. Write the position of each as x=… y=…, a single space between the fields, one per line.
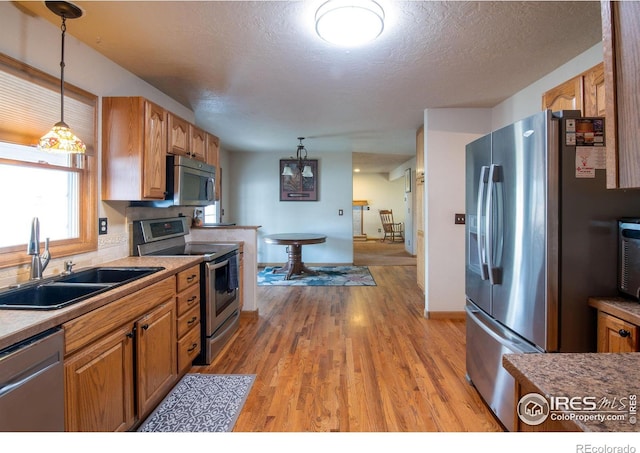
x=156 y=356
x=198 y=143
x=567 y=96
x=99 y=385
x=594 y=92
x=621 y=43
x=213 y=150
x=155 y=151
x=178 y=135
x=616 y=335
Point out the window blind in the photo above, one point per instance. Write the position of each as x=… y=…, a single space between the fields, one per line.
x=30 y=105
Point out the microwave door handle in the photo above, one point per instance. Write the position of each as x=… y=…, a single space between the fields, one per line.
x=211 y=189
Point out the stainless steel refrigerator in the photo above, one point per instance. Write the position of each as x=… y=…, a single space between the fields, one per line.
x=541 y=237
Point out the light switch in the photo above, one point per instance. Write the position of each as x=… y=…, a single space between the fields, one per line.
x=340 y=212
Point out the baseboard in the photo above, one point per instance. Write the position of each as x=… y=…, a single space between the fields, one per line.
x=249 y=314
x=454 y=315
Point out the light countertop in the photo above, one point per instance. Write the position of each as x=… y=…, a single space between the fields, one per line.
x=17 y=325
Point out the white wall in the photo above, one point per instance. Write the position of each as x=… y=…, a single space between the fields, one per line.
x=254 y=200
x=37 y=42
x=447 y=132
x=380 y=193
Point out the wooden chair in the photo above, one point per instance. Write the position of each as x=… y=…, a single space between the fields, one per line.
x=392 y=230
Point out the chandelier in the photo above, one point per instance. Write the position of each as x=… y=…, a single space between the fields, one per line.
x=302 y=164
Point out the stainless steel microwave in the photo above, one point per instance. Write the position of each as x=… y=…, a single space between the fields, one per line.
x=190 y=182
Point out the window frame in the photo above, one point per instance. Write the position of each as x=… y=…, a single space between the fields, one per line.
x=87 y=240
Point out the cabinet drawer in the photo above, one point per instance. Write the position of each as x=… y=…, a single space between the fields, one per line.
x=188 y=349
x=188 y=299
x=188 y=277
x=188 y=321
x=99 y=322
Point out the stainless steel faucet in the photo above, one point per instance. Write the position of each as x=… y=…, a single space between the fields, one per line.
x=38 y=262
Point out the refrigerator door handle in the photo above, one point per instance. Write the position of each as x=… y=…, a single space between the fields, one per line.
x=493 y=224
x=481 y=242
x=498 y=332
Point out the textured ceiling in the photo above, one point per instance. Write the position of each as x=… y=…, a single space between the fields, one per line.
x=257 y=75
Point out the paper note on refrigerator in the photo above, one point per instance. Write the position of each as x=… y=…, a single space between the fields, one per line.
x=589 y=159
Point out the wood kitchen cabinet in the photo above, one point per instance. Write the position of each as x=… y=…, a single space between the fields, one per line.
x=618 y=321
x=120 y=360
x=185 y=139
x=213 y=158
x=585 y=92
x=616 y=335
x=188 y=322
x=134 y=148
x=621 y=42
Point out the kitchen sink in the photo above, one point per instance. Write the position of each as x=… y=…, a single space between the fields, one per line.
x=62 y=291
x=108 y=275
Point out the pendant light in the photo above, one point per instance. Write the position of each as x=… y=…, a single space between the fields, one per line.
x=302 y=164
x=60 y=139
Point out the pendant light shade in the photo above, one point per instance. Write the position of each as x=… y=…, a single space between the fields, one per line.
x=60 y=139
x=349 y=23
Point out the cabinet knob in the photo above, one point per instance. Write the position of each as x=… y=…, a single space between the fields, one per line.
x=624 y=333
x=129 y=334
x=145 y=326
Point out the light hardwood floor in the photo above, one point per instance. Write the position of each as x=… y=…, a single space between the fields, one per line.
x=356 y=359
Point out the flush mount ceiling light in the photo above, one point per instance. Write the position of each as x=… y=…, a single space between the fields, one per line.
x=302 y=164
x=60 y=139
x=349 y=23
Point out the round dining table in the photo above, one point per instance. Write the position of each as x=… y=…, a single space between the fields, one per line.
x=294 y=243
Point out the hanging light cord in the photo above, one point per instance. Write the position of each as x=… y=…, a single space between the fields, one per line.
x=64 y=30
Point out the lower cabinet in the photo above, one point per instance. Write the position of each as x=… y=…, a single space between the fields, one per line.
x=616 y=335
x=120 y=360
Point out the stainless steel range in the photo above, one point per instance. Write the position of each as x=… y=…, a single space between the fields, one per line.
x=219 y=302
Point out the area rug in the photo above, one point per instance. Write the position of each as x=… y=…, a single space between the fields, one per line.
x=201 y=403
x=326 y=276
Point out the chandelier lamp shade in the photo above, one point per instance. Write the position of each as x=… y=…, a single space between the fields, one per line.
x=349 y=23
x=60 y=139
x=302 y=164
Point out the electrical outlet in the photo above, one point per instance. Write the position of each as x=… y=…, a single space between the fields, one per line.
x=102 y=225
x=459 y=219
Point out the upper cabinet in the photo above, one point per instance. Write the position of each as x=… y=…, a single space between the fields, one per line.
x=134 y=148
x=213 y=158
x=621 y=41
x=137 y=135
x=585 y=92
x=185 y=139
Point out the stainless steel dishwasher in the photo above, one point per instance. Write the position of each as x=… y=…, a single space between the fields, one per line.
x=32 y=385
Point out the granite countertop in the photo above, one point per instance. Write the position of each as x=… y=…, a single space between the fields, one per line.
x=17 y=325
x=606 y=377
x=625 y=309
x=227 y=226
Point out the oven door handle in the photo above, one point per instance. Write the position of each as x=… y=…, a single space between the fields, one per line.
x=215 y=266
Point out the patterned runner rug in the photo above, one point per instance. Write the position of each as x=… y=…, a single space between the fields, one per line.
x=326 y=276
x=201 y=403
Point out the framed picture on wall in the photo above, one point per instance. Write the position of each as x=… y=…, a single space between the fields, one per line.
x=407 y=180
x=298 y=184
